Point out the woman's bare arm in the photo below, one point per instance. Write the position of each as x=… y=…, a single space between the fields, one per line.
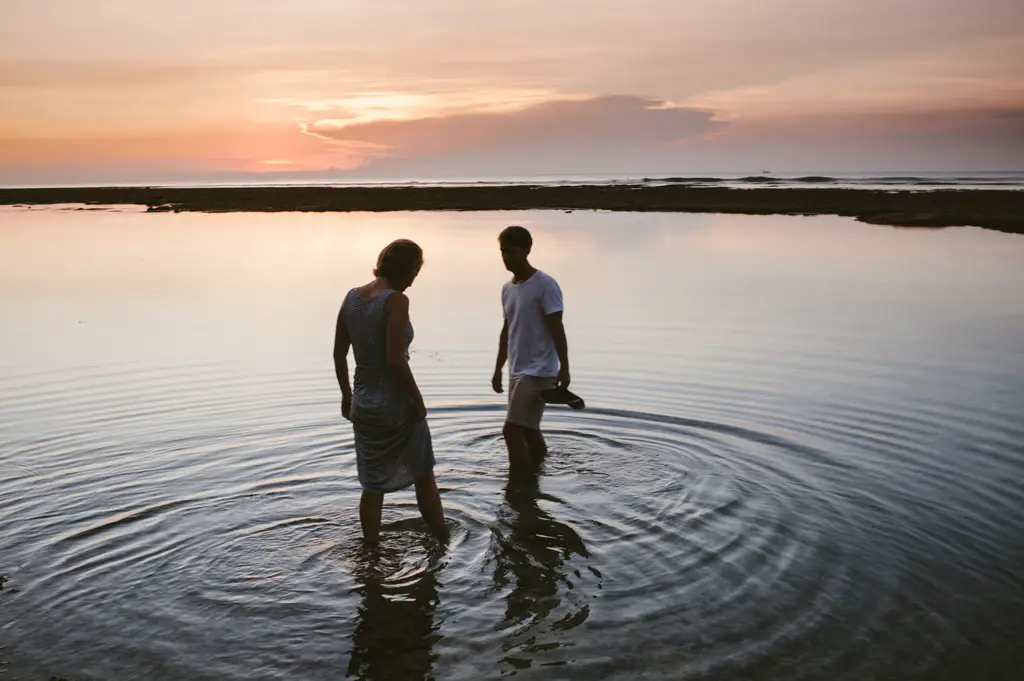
x=396 y=310
x=342 y=343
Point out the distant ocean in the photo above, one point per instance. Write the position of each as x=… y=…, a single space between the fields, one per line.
x=892 y=181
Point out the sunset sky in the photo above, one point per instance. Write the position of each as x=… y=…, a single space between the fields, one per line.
x=150 y=90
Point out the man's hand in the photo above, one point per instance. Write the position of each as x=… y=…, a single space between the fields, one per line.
x=419 y=410
x=563 y=378
x=496 y=382
x=346 y=407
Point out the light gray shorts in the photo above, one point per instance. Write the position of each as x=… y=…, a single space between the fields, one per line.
x=525 y=405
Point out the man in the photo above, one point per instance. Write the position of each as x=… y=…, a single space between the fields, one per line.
x=533 y=341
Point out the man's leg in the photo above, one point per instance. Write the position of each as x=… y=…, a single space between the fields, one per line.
x=534 y=438
x=519 y=459
x=370 y=506
x=527 y=448
x=536 y=444
x=514 y=430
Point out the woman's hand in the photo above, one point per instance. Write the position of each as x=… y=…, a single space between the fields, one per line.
x=346 y=407
x=419 y=410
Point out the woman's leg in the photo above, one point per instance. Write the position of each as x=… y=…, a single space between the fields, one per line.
x=429 y=501
x=370 y=505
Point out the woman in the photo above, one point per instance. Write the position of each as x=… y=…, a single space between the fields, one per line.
x=393 y=446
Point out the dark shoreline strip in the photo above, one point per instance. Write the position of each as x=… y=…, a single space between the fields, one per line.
x=1001 y=210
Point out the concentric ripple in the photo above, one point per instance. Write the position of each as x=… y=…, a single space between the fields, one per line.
x=644 y=520
x=730 y=547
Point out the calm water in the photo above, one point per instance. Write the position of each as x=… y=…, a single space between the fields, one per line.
x=802 y=455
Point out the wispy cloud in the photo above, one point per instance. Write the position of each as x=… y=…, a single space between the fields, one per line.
x=626 y=126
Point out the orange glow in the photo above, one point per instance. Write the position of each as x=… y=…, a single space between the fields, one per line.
x=406 y=87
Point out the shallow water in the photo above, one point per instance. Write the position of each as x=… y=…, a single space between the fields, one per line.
x=801 y=457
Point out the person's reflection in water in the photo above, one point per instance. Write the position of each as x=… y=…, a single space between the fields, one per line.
x=531 y=548
x=395 y=633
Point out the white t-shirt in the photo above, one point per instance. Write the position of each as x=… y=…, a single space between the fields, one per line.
x=531 y=349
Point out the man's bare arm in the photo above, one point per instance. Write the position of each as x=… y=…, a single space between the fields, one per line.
x=502 y=358
x=557 y=330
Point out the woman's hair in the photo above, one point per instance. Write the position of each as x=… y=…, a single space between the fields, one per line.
x=400 y=260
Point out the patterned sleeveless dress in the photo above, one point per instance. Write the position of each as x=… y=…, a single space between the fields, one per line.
x=393 y=448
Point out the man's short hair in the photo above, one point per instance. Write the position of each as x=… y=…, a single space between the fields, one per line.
x=515 y=235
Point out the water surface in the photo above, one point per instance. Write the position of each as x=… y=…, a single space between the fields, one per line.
x=801 y=456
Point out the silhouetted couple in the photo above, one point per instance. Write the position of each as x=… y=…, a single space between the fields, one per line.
x=384 y=404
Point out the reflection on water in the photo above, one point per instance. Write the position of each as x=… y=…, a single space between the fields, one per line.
x=800 y=457
x=395 y=632
x=530 y=551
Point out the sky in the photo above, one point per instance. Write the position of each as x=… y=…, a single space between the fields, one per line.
x=149 y=90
